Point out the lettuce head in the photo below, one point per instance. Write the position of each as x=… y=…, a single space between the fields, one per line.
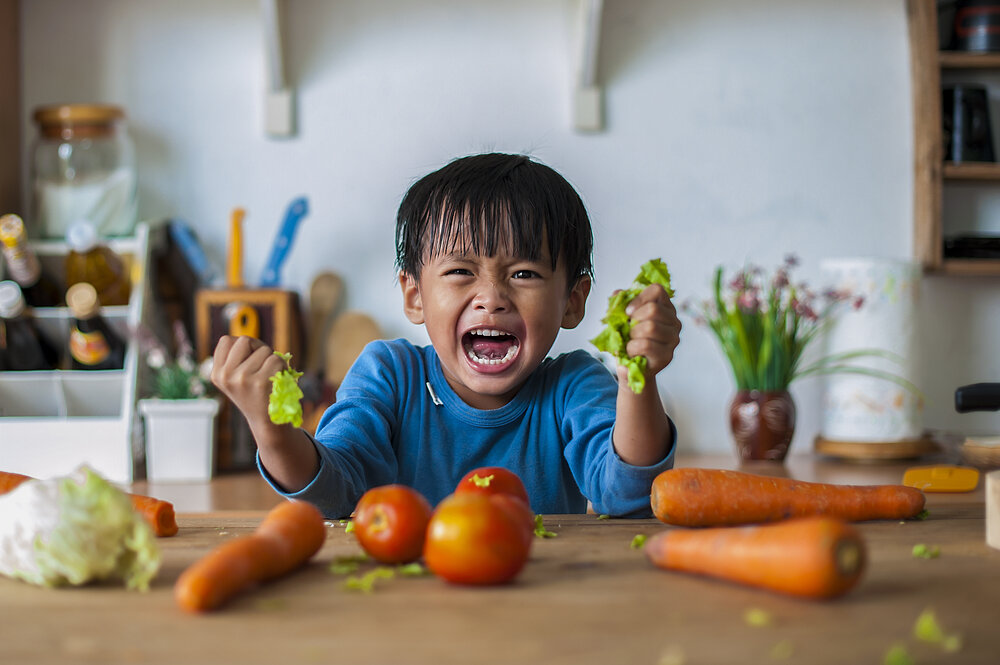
x=73 y=530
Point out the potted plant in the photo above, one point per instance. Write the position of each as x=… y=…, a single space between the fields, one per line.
x=179 y=417
x=764 y=325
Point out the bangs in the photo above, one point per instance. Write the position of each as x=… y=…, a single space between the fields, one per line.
x=492 y=203
x=486 y=228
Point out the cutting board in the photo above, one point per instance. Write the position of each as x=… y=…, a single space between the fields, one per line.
x=349 y=334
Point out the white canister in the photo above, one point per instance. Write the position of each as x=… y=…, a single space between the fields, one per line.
x=881 y=314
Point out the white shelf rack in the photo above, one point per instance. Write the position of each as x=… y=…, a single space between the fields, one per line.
x=51 y=422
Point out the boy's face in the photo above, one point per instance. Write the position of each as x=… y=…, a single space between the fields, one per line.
x=492 y=320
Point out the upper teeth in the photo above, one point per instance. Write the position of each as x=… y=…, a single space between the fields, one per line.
x=487 y=332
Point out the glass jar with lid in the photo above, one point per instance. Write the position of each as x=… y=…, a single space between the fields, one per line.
x=83 y=167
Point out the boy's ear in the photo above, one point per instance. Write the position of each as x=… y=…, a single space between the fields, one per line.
x=413 y=305
x=576 y=306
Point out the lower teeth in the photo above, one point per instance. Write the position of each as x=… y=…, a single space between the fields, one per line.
x=492 y=361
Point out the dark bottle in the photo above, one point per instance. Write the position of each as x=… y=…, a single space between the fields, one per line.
x=93 y=344
x=40 y=288
x=90 y=261
x=22 y=346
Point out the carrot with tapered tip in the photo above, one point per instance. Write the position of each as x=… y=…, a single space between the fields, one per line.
x=715 y=497
x=287 y=538
x=813 y=557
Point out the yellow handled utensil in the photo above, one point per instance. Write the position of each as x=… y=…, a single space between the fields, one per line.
x=234 y=266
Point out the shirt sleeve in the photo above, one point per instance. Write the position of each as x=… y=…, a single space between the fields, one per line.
x=354 y=437
x=612 y=486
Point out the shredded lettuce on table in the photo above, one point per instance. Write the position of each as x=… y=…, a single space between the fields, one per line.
x=615 y=336
x=540 y=530
x=285 y=402
x=927 y=629
x=72 y=530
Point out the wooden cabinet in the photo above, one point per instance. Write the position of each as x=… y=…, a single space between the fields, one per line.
x=931 y=173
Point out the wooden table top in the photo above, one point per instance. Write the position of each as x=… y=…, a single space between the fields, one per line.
x=584 y=597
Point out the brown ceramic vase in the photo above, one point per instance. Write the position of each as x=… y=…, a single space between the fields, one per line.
x=762 y=424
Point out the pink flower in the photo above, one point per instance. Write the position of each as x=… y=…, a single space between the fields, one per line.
x=748 y=301
x=780 y=280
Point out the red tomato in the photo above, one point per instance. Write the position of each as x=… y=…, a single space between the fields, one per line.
x=493 y=480
x=390 y=522
x=520 y=509
x=477 y=538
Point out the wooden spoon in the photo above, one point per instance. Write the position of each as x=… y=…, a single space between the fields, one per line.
x=324 y=297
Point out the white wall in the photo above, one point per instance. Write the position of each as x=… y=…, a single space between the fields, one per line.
x=736 y=131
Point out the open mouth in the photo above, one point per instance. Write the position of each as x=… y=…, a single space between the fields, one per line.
x=489 y=346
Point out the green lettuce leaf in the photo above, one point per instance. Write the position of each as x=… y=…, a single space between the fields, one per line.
x=73 y=530
x=285 y=402
x=618 y=324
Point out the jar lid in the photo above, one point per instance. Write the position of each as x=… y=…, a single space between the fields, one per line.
x=81 y=236
x=78 y=114
x=81 y=298
x=11 y=300
x=11 y=230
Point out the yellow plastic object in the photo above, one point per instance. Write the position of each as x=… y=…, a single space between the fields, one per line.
x=942 y=478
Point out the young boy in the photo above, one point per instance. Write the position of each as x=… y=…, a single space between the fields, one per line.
x=494 y=257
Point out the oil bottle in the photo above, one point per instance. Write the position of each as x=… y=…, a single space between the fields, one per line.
x=90 y=261
x=22 y=346
x=39 y=287
x=93 y=344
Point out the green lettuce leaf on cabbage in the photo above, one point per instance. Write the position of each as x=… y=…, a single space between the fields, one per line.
x=73 y=530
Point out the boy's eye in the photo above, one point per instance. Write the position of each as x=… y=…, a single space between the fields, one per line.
x=525 y=274
x=458 y=271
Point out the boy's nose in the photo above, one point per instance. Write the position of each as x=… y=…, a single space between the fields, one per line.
x=491 y=297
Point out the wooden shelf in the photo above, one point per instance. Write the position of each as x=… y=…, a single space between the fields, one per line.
x=968 y=60
x=930 y=172
x=971 y=171
x=969 y=267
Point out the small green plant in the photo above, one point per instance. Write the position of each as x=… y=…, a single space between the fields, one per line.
x=764 y=324
x=175 y=376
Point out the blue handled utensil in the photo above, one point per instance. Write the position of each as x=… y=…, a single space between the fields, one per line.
x=182 y=235
x=283 y=242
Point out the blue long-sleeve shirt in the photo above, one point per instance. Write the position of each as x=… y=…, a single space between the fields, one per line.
x=396 y=420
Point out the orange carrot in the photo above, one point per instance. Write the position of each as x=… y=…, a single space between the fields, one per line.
x=288 y=537
x=713 y=497
x=813 y=557
x=9 y=481
x=159 y=514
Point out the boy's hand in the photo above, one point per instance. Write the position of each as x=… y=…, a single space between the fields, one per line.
x=655 y=331
x=242 y=369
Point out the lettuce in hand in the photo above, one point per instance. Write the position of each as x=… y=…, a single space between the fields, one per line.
x=615 y=335
x=285 y=402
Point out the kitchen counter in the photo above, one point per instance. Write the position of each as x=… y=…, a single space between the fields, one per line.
x=584 y=597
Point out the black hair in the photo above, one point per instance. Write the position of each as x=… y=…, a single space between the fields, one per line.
x=491 y=201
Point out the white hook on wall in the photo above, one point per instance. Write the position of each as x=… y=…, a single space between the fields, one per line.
x=588 y=96
x=279 y=103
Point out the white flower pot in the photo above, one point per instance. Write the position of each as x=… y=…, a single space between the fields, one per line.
x=180 y=438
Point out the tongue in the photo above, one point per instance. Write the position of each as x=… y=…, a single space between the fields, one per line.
x=492 y=349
